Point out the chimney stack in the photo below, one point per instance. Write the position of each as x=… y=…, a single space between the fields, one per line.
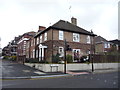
x=74 y=21
x=41 y=28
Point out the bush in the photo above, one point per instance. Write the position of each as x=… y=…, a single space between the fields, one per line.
x=32 y=60
x=6 y=57
x=69 y=58
x=35 y=61
x=56 y=58
x=13 y=58
x=44 y=61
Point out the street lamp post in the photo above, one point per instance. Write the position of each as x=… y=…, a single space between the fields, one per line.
x=92 y=51
x=65 y=56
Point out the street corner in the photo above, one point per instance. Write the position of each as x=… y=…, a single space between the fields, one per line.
x=75 y=73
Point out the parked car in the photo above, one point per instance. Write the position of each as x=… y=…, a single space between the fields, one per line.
x=84 y=59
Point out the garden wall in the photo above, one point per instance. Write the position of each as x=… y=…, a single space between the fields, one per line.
x=60 y=67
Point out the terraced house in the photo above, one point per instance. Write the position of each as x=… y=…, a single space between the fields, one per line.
x=51 y=40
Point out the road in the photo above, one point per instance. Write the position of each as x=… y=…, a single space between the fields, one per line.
x=102 y=80
x=91 y=80
x=13 y=69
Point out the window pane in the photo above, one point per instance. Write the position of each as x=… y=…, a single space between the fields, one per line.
x=88 y=39
x=76 y=37
x=60 y=35
x=61 y=51
x=41 y=39
x=45 y=36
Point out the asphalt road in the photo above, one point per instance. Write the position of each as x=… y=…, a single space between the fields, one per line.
x=102 y=80
x=13 y=69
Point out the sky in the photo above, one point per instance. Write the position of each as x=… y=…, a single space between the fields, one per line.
x=20 y=16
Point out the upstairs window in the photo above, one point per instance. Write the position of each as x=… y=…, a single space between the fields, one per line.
x=34 y=41
x=61 y=35
x=76 y=37
x=45 y=36
x=108 y=45
x=105 y=45
x=88 y=39
x=41 y=39
x=37 y=40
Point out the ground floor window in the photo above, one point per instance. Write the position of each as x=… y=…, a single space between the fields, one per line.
x=36 y=53
x=61 y=51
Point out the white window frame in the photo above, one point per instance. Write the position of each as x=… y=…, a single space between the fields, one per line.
x=41 y=39
x=34 y=41
x=105 y=45
x=88 y=39
x=108 y=45
x=33 y=53
x=77 y=36
x=45 y=36
x=61 y=35
x=61 y=53
x=31 y=42
x=37 y=53
x=37 y=40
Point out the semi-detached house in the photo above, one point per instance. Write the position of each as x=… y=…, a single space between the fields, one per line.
x=51 y=40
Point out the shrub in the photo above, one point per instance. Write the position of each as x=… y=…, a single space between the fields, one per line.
x=13 y=58
x=69 y=58
x=56 y=58
x=6 y=57
x=44 y=61
x=35 y=61
x=32 y=60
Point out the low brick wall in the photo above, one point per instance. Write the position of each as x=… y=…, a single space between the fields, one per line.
x=60 y=67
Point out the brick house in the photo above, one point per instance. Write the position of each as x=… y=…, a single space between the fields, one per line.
x=102 y=45
x=30 y=48
x=11 y=48
x=21 y=47
x=32 y=45
x=5 y=51
x=116 y=44
x=51 y=40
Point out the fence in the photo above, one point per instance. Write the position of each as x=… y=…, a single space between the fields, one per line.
x=106 y=58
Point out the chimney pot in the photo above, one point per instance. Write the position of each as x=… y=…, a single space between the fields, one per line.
x=74 y=21
x=41 y=28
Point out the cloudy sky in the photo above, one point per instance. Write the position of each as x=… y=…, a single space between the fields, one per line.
x=20 y=16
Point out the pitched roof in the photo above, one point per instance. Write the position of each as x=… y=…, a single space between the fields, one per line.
x=116 y=41
x=99 y=39
x=67 y=26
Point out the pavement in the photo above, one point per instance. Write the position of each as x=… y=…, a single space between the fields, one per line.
x=13 y=70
